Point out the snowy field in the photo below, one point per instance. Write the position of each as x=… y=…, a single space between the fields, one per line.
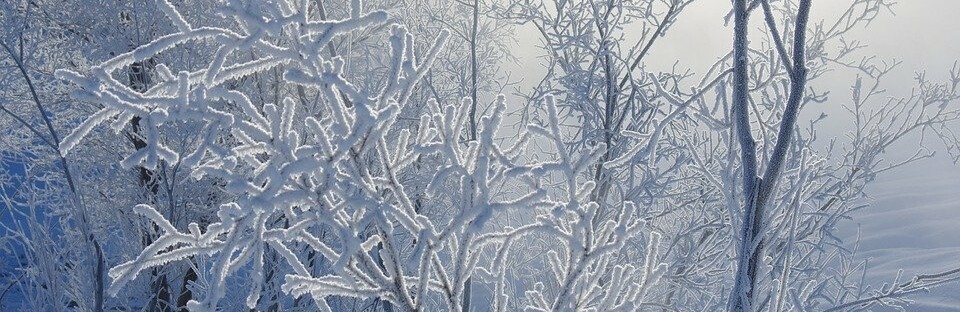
x=914 y=224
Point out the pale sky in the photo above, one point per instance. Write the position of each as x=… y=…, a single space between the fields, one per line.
x=922 y=33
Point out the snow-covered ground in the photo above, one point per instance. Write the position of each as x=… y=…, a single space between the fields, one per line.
x=913 y=224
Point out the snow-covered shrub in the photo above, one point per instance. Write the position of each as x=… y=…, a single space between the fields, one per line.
x=324 y=180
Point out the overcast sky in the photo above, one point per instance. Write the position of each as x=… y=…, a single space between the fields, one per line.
x=922 y=33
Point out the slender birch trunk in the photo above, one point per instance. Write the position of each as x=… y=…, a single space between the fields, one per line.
x=758 y=191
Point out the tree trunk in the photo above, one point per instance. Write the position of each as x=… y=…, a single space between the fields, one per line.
x=742 y=293
x=757 y=194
